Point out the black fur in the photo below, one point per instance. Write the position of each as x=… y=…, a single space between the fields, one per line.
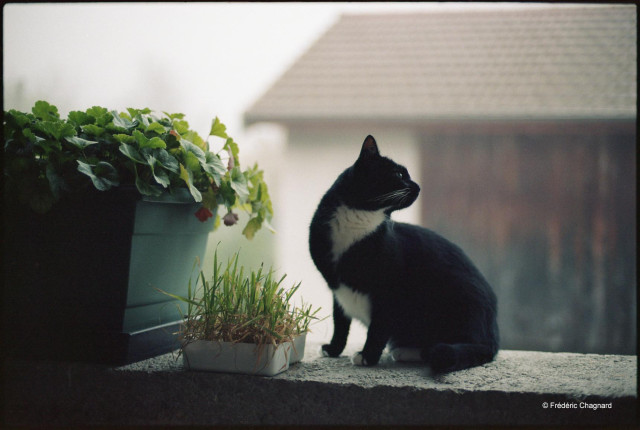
x=424 y=291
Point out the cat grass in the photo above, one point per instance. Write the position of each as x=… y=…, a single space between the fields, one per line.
x=240 y=306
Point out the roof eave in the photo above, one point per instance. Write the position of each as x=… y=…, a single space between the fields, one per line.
x=420 y=121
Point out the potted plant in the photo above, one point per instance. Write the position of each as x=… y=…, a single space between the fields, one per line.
x=241 y=322
x=100 y=208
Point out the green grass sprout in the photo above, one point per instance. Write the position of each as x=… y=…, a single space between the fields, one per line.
x=242 y=307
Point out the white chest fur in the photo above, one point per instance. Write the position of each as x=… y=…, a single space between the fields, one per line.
x=351 y=225
x=355 y=304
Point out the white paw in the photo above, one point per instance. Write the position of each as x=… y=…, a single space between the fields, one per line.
x=358 y=360
x=324 y=353
x=406 y=354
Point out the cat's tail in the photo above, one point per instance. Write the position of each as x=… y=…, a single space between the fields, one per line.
x=444 y=358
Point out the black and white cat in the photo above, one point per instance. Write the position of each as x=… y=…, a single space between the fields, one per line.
x=412 y=288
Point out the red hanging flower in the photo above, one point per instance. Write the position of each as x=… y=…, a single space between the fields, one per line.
x=203 y=214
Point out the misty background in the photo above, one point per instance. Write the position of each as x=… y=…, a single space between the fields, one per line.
x=217 y=59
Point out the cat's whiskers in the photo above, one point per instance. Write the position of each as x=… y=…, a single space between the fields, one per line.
x=395 y=196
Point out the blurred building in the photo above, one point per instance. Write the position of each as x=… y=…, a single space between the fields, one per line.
x=520 y=127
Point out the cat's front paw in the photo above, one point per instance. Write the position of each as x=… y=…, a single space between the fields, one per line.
x=330 y=350
x=360 y=359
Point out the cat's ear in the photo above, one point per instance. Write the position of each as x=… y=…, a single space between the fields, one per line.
x=369 y=149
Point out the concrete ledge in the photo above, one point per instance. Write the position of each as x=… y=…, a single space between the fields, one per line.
x=512 y=390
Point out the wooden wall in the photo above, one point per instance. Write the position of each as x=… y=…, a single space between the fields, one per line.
x=548 y=213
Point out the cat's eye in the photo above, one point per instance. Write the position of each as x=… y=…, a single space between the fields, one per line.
x=399 y=175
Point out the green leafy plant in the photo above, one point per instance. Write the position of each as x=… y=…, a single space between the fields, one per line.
x=238 y=306
x=47 y=156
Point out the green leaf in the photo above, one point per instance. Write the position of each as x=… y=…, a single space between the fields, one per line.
x=194 y=138
x=214 y=167
x=210 y=199
x=255 y=178
x=103 y=175
x=159 y=175
x=166 y=160
x=259 y=194
x=78 y=118
x=101 y=115
x=218 y=129
x=191 y=161
x=145 y=188
x=187 y=177
x=227 y=194
x=123 y=123
x=21 y=119
x=45 y=111
x=156 y=127
x=140 y=138
x=266 y=200
x=239 y=184
x=174 y=115
x=125 y=115
x=97 y=111
x=124 y=138
x=193 y=154
x=154 y=143
x=181 y=126
x=135 y=112
x=26 y=132
x=106 y=173
x=132 y=153
x=143 y=121
x=48 y=145
x=79 y=142
x=67 y=130
x=55 y=129
x=92 y=130
x=232 y=147
x=252 y=227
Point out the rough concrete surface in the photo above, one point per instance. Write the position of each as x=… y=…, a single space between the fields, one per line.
x=514 y=389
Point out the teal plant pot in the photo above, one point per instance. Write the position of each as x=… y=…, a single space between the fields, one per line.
x=80 y=283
